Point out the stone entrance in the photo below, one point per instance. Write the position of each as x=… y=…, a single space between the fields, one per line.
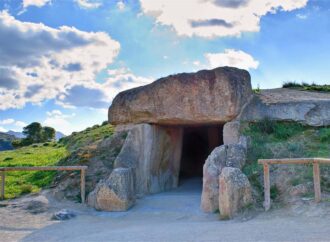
x=173 y=127
x=197 y=144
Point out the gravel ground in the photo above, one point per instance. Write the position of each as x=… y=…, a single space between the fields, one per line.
x=169 y=216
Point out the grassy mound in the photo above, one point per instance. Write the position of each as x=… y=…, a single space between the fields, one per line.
x=270 y=139
x=18 y=183
x=88 y=136
x=307 y=87
x=91 y=147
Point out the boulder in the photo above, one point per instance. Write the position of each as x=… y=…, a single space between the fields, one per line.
x=235 y=192
x=283 y=104
x=36 y=205
x=63 y=214
x=231 y=132
x=208 y=96
x=211 y=171
x=233 y=155
x=114 y=194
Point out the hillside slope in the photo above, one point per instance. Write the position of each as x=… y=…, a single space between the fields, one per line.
x=269 y=139
x=95 y=147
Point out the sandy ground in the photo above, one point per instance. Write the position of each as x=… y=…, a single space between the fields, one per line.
x=170 y=216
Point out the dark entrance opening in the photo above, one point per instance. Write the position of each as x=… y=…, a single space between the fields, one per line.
x=198 y=142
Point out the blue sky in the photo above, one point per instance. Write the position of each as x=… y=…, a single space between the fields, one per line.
x=63 y=61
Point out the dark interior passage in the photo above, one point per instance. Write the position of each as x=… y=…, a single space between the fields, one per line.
x=198 y=142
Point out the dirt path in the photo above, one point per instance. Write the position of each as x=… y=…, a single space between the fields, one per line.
x=170 y=216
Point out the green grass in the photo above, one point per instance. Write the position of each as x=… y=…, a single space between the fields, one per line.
x=70 y=150
x=271 y=139
x=18 y=182
x=87 y=136
x=307 y=87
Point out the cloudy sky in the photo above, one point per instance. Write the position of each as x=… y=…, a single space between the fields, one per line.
x=63 y=61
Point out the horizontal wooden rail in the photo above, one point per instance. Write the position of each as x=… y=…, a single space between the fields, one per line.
x=294 y=161
x=82 y=170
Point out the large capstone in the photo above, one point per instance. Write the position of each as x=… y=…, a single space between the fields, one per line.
x=208 y=96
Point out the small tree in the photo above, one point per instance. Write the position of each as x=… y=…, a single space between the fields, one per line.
x=48 y=134
x=33 y=132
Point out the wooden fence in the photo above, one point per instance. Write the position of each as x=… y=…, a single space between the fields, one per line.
x=82 y=170
x=316 y=174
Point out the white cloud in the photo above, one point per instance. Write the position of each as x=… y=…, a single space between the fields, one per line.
x=13 y=124
x=87 y=4
x=123 y=79
x=121 y=5
x=2 y=129
x=215 y=18
x=301 y=16
x=7 y=121
x=65 y=58
x=234 y=58
x=59 y=121
x=37 y=3
x=20 y=124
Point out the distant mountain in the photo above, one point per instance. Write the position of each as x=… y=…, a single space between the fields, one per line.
x=59 y=135
x=5 y=141
x=20 y=135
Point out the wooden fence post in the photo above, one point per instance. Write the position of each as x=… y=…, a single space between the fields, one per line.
x=317 y=184
x=2 y=185
x=82 y=185
x=266 y=187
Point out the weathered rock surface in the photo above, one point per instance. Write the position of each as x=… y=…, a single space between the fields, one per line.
x=231 y=132
x=233 y=155
x=63 y=214
x=114 y=194
x=153 y=152
x=311 y=108
x=99 y=156
x=211 y=171
x=36 y=205
x=208 y=96
x=235 y=192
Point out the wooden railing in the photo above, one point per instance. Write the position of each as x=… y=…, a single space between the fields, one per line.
x=82 y=170
x=316 y=174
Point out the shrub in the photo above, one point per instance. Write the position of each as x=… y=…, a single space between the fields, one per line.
x=266 y=126
x=306 y=86
x=274 y=192
x=25 y=189
x=290 y=84
x=279 y=130
x=325 y=135
x=284 y=131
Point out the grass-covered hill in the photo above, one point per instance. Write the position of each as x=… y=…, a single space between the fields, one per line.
x=95 y=147
x=18 y=183
x=306 y=86
x=270 y=139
